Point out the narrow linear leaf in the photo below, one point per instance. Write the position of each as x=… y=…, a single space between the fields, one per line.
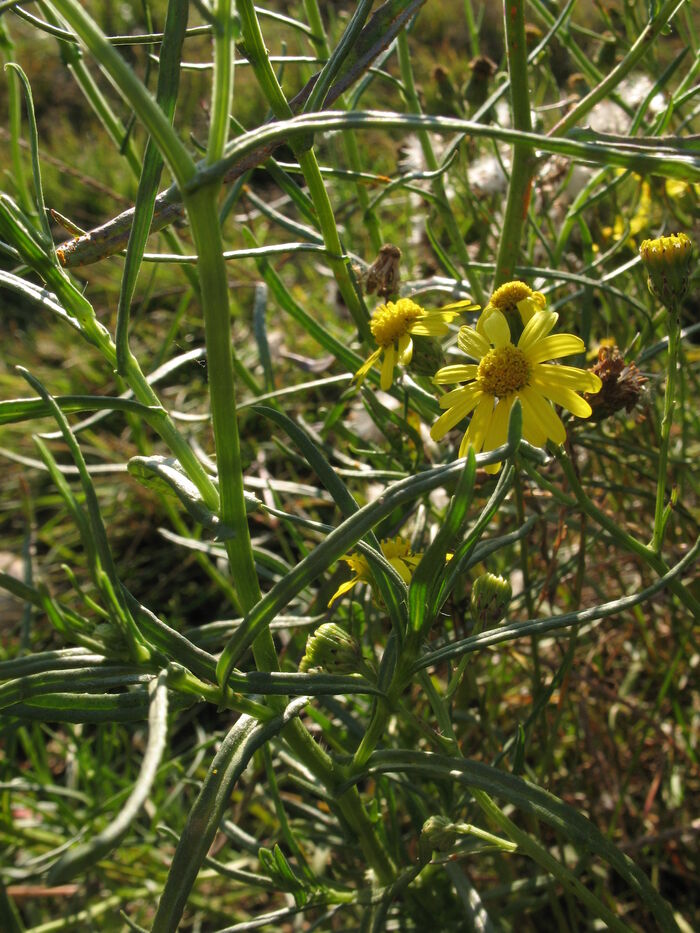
x=228 y=764
x=535 y=802
x=78 y=858
x=36 y=166
x=166 y=97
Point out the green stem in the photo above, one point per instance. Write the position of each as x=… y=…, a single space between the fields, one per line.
x=472 y=27
x=628 y=542
x=222 y=82
x=131 y=89
x=352 y=150
x=638 y=51
x=660 y=517
x=265 y=74
x=331 y=240
x=529 y=602
x=14 y=105
x=523 y=161
x=170 y=434
x=201 y=208
x=436 y=183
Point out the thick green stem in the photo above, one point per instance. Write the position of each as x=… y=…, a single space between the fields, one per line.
x=523 y=160
x=436 y=183
x=203 y=216
x=660 y=516
x=222 y=82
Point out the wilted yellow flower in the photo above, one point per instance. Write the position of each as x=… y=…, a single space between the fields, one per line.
x=393 y=324
x=506 y=372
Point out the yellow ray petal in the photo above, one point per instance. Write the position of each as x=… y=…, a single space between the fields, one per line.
x=581 y=380
x=473 y=344
x=361 y=373
x=546 y=418
x=533 y=432
x=552 y=347
x=453 y=416
x=429 y=328
x=405 y=349
x=537 y=327
x=388 y=364
x=343 y=589
x=464 y=395
x=497 y=329
x=478 y=426
x=565 y=397
x=459 y=373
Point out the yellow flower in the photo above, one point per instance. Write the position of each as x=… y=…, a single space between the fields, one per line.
x=396 y=550
x=512 y=297
x=393 y=324
x=505 y=372
x=399 y=554
x=639 y=221
x=676 y=189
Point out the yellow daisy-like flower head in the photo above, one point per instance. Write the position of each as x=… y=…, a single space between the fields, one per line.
x=505 y=372
x=396 y=550
x=393 y=324
x=511 y=299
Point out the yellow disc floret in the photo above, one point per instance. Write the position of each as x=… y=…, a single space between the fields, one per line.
x=393 y=320
x=395 y=324
x=503 y=370
x=508 y=296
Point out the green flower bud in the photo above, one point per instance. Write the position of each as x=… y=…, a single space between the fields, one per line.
x=439 y=834
x=489 y=599
x=667 y=261
x=427 y=356
x=332 y=649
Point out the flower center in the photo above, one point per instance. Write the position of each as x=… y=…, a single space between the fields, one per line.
x=503 y=370
x=506 y=297
x=393 y=320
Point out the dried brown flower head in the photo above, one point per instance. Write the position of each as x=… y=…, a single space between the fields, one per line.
x=383 y=275
x=623 y=384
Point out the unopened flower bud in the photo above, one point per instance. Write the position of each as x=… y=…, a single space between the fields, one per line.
x=490 y=597
x=439 y=834
x=427 y=356
x=667 y=261
x=332 y=649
